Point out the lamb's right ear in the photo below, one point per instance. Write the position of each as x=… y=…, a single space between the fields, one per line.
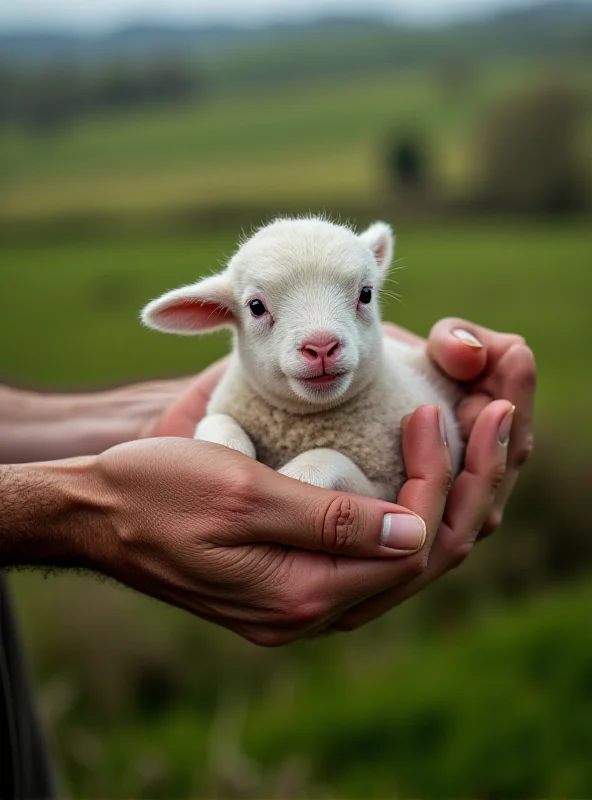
x=202 y=306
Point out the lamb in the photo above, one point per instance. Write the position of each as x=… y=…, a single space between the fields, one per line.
x=313 y=387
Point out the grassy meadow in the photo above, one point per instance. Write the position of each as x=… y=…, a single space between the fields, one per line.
x=481 y=686
x=320 y=143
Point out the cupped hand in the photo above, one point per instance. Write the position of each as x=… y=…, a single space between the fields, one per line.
x=492 y=366
x=497 y=371
x=209 y=530
x=189 y=406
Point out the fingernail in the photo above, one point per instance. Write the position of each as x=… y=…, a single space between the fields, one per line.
x=503 y=433
x=467 y=338
x=405 y=532
x=442 y=424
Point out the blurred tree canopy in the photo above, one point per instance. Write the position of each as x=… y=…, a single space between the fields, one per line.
x=406 y=163
x=530 y=151
x=45 y=99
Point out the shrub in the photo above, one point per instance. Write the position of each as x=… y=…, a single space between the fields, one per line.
x=530 y=154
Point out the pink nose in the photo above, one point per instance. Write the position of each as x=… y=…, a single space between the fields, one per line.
x=323 y=348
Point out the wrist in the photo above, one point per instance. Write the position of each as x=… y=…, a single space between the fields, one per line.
x=38 y=427
x=51 y=514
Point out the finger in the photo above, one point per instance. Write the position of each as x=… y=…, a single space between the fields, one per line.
x=517 y=384
x=296 y=514
x=427 y=461
x=468 y=505
x=468 y=410
x=466 y=351
x=299 y=515
x=397 y=332
x=198 y=396
x=455 y=347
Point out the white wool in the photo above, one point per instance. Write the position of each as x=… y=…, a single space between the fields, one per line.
x=308 y=275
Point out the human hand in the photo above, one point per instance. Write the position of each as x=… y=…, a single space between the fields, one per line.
x=498 y=373
x=188 y=405
x=206 y=529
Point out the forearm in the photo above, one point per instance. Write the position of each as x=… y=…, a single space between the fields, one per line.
x=39 y=427
x=51 y=515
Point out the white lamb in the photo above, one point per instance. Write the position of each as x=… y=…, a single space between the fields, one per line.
x=313 y=387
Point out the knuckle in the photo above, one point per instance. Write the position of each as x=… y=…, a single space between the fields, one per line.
x=457 y=552
x=340 y=529
x=461 y=553
x=523 y=451
x=457 y=549
x=492 y=522
x=525 y=371
x=417 y=564
x=270 y=638
x=299 y=609
x=307 y=612
x=526 y=380
x=516 y=339
x=242 y=485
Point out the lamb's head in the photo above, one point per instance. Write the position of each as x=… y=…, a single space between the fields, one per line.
x=302 y=295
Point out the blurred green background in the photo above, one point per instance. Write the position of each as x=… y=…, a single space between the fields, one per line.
x=130 y=161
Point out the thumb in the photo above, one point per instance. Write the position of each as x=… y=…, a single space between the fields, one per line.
x=303 y=516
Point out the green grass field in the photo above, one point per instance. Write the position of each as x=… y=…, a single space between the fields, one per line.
x=318 y=143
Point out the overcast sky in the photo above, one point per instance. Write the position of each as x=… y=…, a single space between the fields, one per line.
x=102 y=14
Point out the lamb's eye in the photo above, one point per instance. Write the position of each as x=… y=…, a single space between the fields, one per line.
x=257 y=308
x=366 y=295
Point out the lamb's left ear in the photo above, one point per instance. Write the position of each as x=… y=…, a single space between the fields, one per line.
x=381 y=241
x=201 y=307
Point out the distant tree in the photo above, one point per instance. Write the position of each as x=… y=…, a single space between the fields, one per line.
x=47 y=98
x=530 y=154
x=52 y=97
x=406 y=163
x=165 y=81
x=10 y=89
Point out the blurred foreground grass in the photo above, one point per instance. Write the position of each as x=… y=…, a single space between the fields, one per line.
x=497 y=707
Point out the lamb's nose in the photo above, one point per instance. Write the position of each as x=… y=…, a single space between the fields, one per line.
x=322 y=349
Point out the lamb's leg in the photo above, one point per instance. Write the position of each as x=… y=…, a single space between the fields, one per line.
x=223 y=429
x=329 y=469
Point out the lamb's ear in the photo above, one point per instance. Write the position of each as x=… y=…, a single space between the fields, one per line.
x=380 y=239
x=202 y=306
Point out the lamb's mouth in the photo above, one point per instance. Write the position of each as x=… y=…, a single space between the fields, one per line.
x=326 y=379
